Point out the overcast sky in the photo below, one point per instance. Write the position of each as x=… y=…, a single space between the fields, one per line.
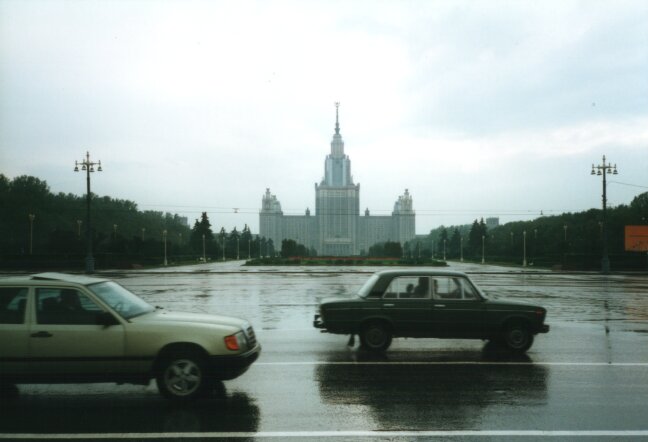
x=490 y=108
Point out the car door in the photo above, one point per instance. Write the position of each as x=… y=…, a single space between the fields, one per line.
x=14 y=329
x=457 y=309
x=66 y=338
x=407 y=302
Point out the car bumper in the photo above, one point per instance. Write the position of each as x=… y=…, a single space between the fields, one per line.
x=230 y=367
x=317 y=322
x=544 y=329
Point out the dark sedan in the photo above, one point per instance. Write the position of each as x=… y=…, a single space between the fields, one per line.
x=429 y=304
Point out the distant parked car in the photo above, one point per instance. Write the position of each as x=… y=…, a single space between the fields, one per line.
x=58 y=328
x=429 y=304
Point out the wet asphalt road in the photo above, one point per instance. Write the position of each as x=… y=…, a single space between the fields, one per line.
x=586 y=379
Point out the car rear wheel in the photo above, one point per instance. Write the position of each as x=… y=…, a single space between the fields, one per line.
x=182 y=376
x=517 y=337
x=375 y=336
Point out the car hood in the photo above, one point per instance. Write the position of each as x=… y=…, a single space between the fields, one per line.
x=338 y=300
x=191 y=318
x=508 y=302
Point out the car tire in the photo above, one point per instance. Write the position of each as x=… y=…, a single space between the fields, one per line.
x=517 y=337
x=182 y=376
x=376 y=336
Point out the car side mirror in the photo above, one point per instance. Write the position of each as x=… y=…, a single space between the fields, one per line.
x=106 y=319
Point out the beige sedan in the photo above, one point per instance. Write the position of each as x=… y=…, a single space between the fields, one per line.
x=59 y=328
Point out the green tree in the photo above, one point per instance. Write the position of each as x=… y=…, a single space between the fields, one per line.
x=201 y=227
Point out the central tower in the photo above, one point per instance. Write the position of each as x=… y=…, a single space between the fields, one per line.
x=337 y=201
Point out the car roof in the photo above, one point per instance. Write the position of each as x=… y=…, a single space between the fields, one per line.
x=423 y=271
x=53 y=277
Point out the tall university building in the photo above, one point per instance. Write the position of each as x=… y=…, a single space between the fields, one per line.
x=337 y=229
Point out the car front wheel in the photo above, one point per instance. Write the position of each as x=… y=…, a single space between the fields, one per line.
x=517 y=338
x=182 y=376
x=376 y=336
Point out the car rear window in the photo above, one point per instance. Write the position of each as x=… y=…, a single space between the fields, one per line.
x=13 y=301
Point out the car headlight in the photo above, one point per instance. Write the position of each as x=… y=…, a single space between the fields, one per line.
x=236 y=341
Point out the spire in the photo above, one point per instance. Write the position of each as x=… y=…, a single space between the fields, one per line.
x=337 y=122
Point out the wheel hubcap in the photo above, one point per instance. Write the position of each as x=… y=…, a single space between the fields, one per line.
x=182 y=377
x=517 y=338
x=375 y=337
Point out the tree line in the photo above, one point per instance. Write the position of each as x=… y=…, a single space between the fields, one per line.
x=571 y=240
x=41 y=229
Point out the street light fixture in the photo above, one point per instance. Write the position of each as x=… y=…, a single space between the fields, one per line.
x=524 y=260
x=602 y=170
x=483 y=247
x=444 y=249
x=204 y=256
x=223 y=241
x=143 y=231
x=89 y=167
x=565 y=227
x=31 y=232
x=164 y=236
x=461 y=247
x=79 y=222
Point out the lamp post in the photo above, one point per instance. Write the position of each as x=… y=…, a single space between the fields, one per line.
x=524 y=260
x=204 y=256
x=79 y=222
x=164 y=237
x=444 y=249
x=483 y=247
x=88 y=167
x=222 y=232
x=602 y=170
x=238 y=248
x=31 y=232
x=565 y=227
x=461 y=247
x=143 y=230
x=115 y=231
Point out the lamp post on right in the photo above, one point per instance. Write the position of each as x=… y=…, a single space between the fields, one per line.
x=483 y=247
x=31 y=232
x=602 y=170
x=524 y=260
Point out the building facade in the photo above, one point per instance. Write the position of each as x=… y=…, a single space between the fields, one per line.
x=337 y=229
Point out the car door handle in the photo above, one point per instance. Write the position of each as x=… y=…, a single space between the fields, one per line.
x=439 y=305
x=42 y=334
x=388 y=305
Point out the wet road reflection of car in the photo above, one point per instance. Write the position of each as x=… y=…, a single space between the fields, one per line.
x=104 y=411
x=440 y=393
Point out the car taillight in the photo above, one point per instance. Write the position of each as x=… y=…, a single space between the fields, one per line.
x=231 y=342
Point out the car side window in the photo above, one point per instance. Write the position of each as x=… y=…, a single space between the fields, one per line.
x=446 y=288
x=468 y=290
x=13 y=301
x=65 y=306
x=408 y=287
x=453 y=288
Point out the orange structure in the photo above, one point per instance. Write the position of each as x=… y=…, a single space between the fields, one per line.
x=636 y=238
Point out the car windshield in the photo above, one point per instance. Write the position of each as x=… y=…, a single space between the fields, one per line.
x=367 y=286
x=121 y=300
